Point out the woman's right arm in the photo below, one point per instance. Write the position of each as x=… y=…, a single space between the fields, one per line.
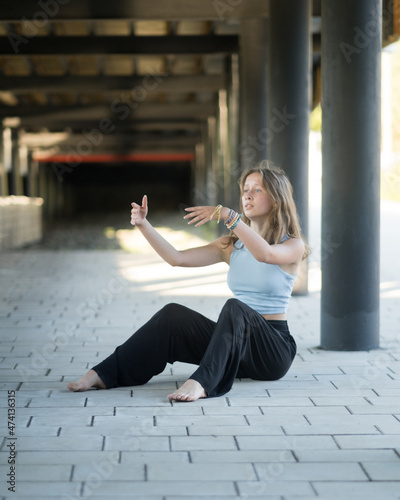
x=193 y=257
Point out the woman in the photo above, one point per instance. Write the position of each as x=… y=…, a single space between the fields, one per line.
x=251 y=338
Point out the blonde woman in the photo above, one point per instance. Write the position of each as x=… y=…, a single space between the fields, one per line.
x=251 y=338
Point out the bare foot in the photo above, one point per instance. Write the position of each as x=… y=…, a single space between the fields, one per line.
x=89 y=380
x=191 y=390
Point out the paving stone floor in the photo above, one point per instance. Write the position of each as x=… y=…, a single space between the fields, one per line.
x=329 y=429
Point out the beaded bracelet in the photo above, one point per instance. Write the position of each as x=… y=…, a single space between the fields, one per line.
x=232 y=220
x=235 y=223
x=230 y=217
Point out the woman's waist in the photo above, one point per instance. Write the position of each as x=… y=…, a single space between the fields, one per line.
x=277 y=316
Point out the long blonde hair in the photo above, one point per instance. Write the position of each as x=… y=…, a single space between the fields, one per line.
x=283 y=217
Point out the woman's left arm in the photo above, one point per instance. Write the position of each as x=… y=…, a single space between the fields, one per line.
x=288 y=252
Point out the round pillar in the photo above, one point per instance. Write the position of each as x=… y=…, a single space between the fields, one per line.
x=351 y=46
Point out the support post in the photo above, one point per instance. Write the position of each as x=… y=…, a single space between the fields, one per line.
x=351 y=47
x=17 y=181
x=289 y=102
x=33 y=169
x=3 y=173
x=233 y=129
x=253 y=91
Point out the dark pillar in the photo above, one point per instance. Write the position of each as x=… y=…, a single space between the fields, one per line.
x=211 y=162
x=7 y=158
x=289 y=101
x=3 y=173
x=253 y=91
x=17 y=182
x=351 y=46
x=232 y=75
x=223 y=178
x=33 y=169
x=197 y=172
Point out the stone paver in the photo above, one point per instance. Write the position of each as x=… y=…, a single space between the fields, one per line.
x=329 y=429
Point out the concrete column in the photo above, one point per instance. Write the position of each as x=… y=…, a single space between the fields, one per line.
x=233 y=157
x=23 y=154
x=17 y=182
x=7 y=158
x=289 y=102
x=199 y=174
x=211 y=162
x=351 y=47
x=3 y=173
x=33 y=170
x=253 y=91
x=43 y=190
x=223 y=179
x=51 y=198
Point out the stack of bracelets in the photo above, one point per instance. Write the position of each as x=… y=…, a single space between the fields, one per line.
x=231 y=222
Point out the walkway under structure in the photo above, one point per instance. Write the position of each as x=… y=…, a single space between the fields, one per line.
x=329 y=429
x=216 y=87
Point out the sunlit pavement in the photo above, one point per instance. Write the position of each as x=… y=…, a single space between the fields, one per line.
x=330 y=428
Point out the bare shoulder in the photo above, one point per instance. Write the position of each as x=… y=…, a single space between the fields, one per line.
x=296 y=248
x=295 y=243
x=294 y=251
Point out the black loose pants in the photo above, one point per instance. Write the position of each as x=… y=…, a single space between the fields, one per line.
x=242 y=343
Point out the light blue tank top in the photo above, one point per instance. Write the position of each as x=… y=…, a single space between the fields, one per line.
x=266 y=288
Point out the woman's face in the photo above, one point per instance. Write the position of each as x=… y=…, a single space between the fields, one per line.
x=256 y=200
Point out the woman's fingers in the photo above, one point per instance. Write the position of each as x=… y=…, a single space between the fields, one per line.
x=197 y=212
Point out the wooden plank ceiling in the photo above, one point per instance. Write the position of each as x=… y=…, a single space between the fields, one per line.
x=148 y=72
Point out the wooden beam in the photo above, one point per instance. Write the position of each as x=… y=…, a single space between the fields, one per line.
x=150 y=83
x=117 y=112
x=127 y=126
x=73 y=10
x=15 y=44
x=114 y=140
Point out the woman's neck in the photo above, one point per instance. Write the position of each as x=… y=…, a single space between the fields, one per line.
x=259 y=226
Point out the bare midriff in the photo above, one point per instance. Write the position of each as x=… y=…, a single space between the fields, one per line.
x=281 y=316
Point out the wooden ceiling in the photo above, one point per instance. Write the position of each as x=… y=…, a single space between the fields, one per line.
x=150 y=70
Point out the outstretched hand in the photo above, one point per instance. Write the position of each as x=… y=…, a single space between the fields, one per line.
x=200 y=215
x=139 y=213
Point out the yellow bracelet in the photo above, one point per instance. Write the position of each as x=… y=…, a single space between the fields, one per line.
x=217 y=211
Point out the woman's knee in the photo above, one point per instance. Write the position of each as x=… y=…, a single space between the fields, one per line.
x=174 y=315
x=233 y=304
x=170 y=309
x=233 y=308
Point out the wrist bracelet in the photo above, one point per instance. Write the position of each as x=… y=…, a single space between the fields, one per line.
x=235 y=223
x=232 y=220
x=230 y=217
x=217 y=211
